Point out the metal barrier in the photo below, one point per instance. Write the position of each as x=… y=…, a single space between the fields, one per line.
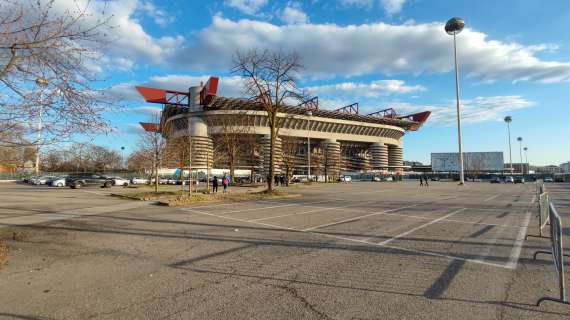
x=543 y=216
x=557 y=250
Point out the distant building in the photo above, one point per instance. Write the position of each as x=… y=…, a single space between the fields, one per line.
x=565 y=167
x=472 y=161
x=546 y=169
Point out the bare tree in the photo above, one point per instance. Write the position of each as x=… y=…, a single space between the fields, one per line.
x=48 y=61
x=229 y=140
x=154 y=145
x=270 y=80
x=290 y=151
x=180 y=149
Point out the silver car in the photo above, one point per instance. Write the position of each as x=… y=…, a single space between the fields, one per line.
x=58 y=181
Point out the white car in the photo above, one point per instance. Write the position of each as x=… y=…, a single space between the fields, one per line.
x=58 y=182
x=345 y=179
x=139 y=181
x=118 y=181
x=509 y=179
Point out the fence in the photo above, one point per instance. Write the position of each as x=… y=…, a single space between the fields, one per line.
x=557 y=252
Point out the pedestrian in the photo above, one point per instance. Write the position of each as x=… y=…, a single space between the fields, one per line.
x=215 y=184
x=225 y=183
x=426 y=180
x=421 y=181
x=276 y=180
x=282 y=180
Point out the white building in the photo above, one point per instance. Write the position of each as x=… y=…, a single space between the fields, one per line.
x=565 y=167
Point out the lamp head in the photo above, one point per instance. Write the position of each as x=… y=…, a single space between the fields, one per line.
x=41 y=81
x=454 y=25
x=519 y=139
x=508 y=119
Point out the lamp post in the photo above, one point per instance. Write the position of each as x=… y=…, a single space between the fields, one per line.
x=526 y=159
x=123 y=160
x=454 y=27
x=508 y=120
x=42 y=83
x=309 y=114
x=519 y=139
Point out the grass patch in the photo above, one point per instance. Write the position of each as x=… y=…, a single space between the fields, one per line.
x=151 y=195
x=3 y=253
x=184 y=200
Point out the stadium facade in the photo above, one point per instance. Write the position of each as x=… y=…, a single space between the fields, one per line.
x=341 y=140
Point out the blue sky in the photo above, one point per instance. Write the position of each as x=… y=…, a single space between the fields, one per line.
x=514 y=56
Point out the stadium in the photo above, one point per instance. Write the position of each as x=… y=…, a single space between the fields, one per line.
x=311 y=139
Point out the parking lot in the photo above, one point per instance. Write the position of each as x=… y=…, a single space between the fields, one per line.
x=356 y=250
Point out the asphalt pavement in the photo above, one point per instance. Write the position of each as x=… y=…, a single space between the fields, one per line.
x=357 y=250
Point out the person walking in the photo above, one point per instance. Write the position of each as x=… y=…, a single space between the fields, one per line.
x=282 y=180
x=215 y=184
x=426 y=180
x=225 y=183
x=421 y=181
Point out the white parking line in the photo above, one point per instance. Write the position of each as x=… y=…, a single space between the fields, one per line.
x=261 y=208
x=403 y=234
x=517 y=247
x=359 y=217
x=319 y=209
x=492 y=197
x=427 y=253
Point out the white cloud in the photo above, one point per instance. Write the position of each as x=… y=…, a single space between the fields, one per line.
x=148 y=110
x=479 y=109
x=358 y=3
x=293 y=14
x=392 y=6
x=377 y=48
x=372 y=89
x=231 y=86
x=160 y=16
x=250 y=7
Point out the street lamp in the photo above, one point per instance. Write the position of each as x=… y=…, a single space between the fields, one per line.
x=508 y=120
x=454 y=27
x=526 y=159
x=42 y=83
x=309 y=114
x=122 y=160
x=519 y=139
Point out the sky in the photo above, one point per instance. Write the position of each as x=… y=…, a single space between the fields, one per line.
x=514 y=60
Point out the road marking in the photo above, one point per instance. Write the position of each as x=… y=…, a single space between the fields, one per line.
x=403 y=234
x=313 y=211
x=517 y=247
x=262 y=208
x=427 y=253
x=359 y=217
x=492 y=197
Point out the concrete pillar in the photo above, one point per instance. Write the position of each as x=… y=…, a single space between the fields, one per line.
x=332 y=157
x=202 y=150
x=395 y=156
x=266 y=152
x=379 y=153
x=194 y=100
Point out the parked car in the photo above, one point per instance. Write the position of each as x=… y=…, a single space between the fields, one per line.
x=548 y=179
x=519 y=180
x=345 y=179
x=43 y=180
x=140 y=181
x=376 y=179
x=58 y=181
x=88 y=180
x=496 y=180
x=509 y=179
x=434 y=178
x=118 y=181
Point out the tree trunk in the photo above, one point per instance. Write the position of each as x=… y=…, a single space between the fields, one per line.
x=155 y=173
x=271 y=158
